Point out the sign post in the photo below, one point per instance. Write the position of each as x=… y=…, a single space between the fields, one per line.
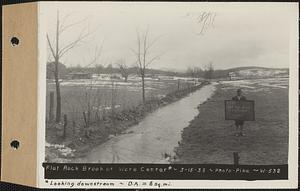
x=239 y=110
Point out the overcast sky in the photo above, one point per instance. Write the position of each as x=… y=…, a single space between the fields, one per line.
x=240 y=35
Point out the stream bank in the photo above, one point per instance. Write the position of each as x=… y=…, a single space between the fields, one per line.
x=74 y=148
x=152 y=140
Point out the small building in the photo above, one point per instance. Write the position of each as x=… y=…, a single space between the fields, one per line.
x=233 y=76
x=80 y=75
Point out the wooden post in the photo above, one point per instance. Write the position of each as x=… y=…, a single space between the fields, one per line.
x=51 y=108
x=236 y=158
x=113 y=96
x=65 y=126
x=178 y=84
x=86 y=125
x=74 y=127
x=85 y=119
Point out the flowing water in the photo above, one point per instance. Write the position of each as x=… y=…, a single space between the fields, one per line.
x=153 y=140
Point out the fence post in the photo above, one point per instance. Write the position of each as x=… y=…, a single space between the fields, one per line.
x=51 y=108
x=65 y=125
x=113 y=102
x=74 y=127
x=236 y=158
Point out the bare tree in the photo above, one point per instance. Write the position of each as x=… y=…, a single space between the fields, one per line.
x=123 y=68
x=90 y=98
x=142 y=54
x=209 y=71
x=58 y=51
x=99 y=68
x=194 y=72
x=94 y=59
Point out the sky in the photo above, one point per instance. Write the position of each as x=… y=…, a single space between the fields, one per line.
x=233 y=35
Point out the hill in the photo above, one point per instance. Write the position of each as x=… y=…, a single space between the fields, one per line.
x=255 y=72
x=239 y=72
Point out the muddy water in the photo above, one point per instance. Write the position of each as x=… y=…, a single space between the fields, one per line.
x=156 y=135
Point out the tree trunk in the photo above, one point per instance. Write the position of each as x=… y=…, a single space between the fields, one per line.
x=86 y=125
x=51 y=109
x=65 y=126
x=58 y=96
x=125 y=78
x=113 y=103
x=112 y=100
x=143 y=88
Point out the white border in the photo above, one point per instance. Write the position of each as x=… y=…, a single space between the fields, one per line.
x=292 y=182
x=41 y=115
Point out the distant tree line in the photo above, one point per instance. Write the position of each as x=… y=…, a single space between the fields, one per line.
x=197 y=72
x=207 y=72
x=109 y=69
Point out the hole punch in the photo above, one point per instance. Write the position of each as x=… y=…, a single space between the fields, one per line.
x=15 y=144
x=14 y=41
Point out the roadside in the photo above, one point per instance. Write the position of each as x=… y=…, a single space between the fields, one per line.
x=210 y=138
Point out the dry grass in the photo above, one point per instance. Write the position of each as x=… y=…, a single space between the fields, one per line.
x=210 y=138
x=74 y=100
x=99 y=131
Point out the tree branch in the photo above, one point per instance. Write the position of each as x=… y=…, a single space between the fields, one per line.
x=153 y=42
x=51 y=48
x=139 y=50
x=96 y=56
x=145 y=50
x=63 y=28
x=72 y=44
x=153 y=59
x=135 y=52
x=122 y=68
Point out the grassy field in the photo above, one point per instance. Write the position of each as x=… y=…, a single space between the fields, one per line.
x=210 y=138
x=78 y=96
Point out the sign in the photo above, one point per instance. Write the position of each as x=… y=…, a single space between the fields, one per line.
x=239 y=110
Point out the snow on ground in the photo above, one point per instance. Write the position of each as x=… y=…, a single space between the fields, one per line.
x=96 y=84
x=57 y=152
x=130 y=82
x=239 y=83
x=255 y=72
x=103 y=107
x=255 y=85
x=61 y=148
x=89 y=82
x=153 y=140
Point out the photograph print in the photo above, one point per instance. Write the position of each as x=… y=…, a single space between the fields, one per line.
x=167 y=83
